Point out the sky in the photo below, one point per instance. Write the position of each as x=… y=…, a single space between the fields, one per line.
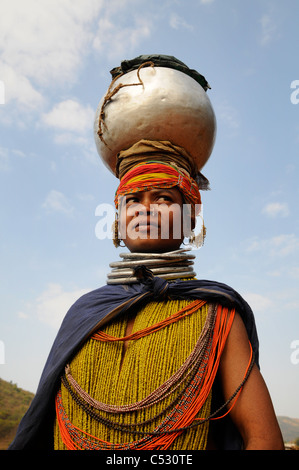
x=55 y=58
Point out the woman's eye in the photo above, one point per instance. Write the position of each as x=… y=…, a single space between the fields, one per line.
x=132 y=200
x=164 y=198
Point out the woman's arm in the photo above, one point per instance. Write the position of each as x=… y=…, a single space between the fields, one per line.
x=253 y=413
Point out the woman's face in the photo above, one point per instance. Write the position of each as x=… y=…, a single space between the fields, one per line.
x=152 y=221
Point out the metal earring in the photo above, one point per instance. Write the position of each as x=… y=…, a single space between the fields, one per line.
x=198 y=240
x=116 y=240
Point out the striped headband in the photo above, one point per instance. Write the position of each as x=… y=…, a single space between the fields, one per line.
x=147 y=175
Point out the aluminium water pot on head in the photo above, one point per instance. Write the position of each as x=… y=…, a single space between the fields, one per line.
x=155 y=103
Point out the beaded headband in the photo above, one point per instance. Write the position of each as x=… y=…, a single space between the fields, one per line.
x=148 y=175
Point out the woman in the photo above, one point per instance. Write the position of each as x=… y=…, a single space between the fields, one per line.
x=156 y=359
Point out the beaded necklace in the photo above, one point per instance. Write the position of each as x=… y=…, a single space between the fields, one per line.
x=192 y=383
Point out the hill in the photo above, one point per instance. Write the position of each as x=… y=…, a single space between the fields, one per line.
x=289 y=428
x=13 y=404
x=15 y=401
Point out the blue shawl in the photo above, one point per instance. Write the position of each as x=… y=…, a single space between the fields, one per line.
x=93 y=310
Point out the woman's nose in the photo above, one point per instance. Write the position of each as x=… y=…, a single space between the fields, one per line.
x=145 y=205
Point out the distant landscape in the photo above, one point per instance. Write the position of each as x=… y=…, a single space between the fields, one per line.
x=14 y=402
x=289 y=428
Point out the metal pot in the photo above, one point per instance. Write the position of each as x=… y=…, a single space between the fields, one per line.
x=164 y=104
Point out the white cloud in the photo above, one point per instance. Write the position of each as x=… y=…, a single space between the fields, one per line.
x=18 y=88
x=276 y=209
x=7 y=156
x=44 y=45
x=280 y=245
x=285 y=272
x=44 y=41
x=269 y=29
x=58 y=202
x=206 y=1
x=258 y=302
x=23 y=315
x=52 y=305
x=117 y=39
x=177 y=22
x=228 y=114
x=69 y=138
x=70 y=115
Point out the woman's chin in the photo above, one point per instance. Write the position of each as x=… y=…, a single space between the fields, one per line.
x=149 y=245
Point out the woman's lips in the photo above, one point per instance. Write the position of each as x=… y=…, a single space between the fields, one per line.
x=146 y=226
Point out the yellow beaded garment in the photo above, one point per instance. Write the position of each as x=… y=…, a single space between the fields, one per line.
x=101 y=373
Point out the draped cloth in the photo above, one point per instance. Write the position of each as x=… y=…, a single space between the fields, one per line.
x=160 y=151
x=93 y=310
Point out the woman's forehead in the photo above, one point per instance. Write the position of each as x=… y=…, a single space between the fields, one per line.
x=154 y=191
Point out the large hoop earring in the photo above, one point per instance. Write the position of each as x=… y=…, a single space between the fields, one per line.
x=198 y=240
x=116 y=240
